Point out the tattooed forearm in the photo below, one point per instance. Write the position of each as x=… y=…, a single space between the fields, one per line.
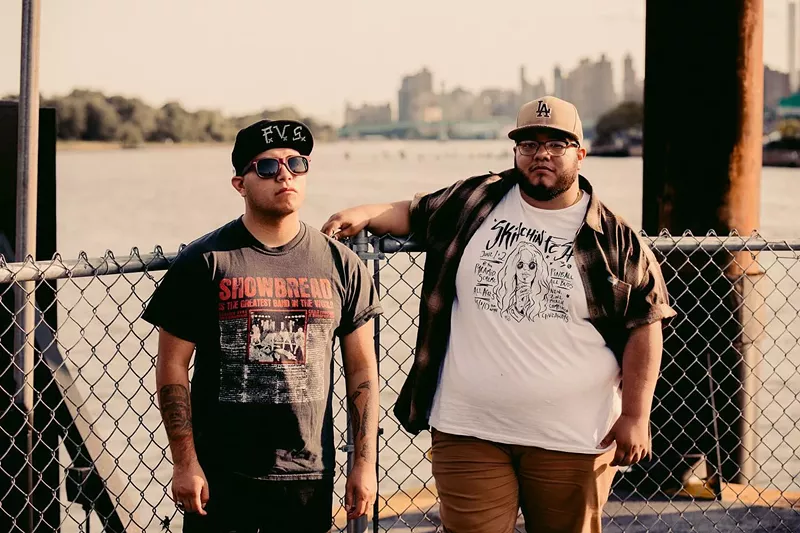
x=358 y=420
x=355 y=418
x=176 y=411
x=365 y=418
x=361 y=416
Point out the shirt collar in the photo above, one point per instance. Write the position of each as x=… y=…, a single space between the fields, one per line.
x=593 y=212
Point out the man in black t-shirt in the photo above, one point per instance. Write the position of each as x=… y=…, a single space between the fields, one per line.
x=259 y=302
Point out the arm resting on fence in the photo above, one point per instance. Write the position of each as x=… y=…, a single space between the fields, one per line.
x=363 y=395
x=189 y=484
x=641 y=361
x=380 y=219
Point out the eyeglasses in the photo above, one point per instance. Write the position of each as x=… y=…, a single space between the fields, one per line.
x=555 y=148
x=269 y=167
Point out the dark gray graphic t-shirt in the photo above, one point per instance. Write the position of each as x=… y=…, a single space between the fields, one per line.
x=264 y=321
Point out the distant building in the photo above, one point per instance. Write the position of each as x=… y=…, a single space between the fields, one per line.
x=632 y=89
x=558 y=83
x=432 y=113
x=368 y=114
x=499 y=102
x=590 y=86
x=776 y=88
x=529 y=91
x=413 y=90
x=424 y=107
x=458 y=105
x=463 y=106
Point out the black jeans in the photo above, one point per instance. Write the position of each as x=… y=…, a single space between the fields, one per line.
x=242 y=505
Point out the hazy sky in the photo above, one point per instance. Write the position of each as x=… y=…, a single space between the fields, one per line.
x=244 y=55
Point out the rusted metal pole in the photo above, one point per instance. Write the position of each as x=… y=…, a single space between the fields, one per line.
x=702 y=170
x=703 y=116
x=27 y=172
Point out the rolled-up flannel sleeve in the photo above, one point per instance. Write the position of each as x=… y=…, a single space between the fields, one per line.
x=649 y=299
x=423 y=205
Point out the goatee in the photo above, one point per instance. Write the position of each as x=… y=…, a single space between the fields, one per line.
x=543 y=193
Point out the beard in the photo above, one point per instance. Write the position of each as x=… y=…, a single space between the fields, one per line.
x=543 y=193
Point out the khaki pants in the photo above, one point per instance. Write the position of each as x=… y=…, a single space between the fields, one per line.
x=482 y=485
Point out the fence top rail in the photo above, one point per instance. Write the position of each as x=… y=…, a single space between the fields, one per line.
x=664 y=244
x=84 y=266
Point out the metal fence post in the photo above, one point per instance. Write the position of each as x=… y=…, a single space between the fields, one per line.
x=360 y=245
x=27 y=172
x=376 y=508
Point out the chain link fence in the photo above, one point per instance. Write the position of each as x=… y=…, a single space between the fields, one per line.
x=725 y=419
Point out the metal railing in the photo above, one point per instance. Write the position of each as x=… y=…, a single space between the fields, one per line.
x=726 y=430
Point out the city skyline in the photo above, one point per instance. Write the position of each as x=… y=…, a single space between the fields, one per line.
x=207 y=55
x=589 y=83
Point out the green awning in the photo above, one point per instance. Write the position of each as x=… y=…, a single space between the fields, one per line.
x=789 y=106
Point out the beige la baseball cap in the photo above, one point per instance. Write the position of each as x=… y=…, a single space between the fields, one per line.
x=548 y=112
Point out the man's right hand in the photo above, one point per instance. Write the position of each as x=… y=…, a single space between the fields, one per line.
x=347 y=223
x=190 y=487
x=380 y=219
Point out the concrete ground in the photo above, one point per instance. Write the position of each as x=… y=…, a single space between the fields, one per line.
x=647 y=516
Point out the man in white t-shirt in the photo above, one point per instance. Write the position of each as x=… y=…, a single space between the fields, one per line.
x=537 y=300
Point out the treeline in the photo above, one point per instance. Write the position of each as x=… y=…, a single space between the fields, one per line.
x=85 y=115
x=626 y=116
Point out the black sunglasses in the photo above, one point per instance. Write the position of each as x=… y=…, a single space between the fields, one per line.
x=269 y=167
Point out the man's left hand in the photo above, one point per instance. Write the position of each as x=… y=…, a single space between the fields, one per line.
x=632 y=436
x=361 y=489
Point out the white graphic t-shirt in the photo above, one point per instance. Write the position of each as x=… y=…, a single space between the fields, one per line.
x=524 y=365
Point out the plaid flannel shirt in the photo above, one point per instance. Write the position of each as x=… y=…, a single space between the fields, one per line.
x=621 y=276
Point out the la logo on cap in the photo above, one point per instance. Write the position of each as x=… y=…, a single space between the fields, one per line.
x=543 y=110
